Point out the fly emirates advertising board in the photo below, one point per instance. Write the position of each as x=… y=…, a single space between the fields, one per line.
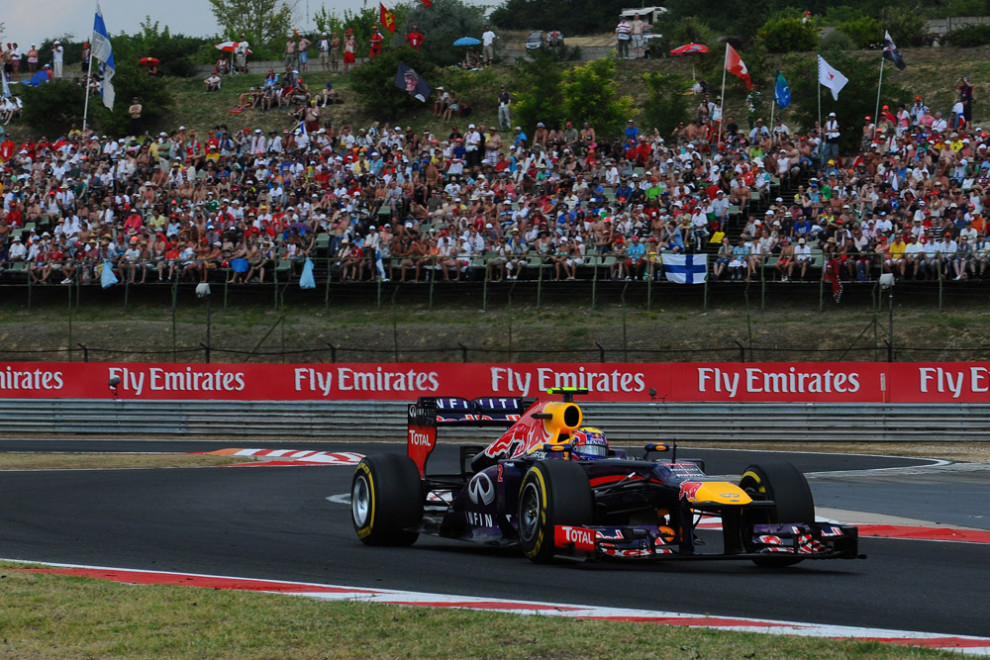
x=839 y=382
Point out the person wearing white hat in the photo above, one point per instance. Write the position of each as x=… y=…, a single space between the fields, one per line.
x=58 y=56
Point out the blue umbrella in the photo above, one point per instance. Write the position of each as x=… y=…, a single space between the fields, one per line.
x=467 y=41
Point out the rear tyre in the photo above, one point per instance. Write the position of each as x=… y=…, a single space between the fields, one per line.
x=386 y=500
x=783 y=483
x=553 y=493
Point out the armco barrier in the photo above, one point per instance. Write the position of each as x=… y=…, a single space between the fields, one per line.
x=623 y=422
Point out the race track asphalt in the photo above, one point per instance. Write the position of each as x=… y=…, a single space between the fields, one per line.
x=278 y=523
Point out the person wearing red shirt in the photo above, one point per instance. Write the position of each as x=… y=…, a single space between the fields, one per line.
x=376 y=44
x=14 y=216
x=415 y=38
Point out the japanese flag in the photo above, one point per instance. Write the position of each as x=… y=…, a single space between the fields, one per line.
x=735 y=66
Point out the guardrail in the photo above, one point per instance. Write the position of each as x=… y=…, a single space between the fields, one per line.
x=623 y=422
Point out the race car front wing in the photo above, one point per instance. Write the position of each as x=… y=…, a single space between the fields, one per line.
x=802 y=540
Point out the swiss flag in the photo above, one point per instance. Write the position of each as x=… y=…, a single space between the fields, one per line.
x=735 y=66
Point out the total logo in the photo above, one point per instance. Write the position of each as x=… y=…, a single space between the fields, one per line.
x=582 y=538
x=481 y=490
x=419 y=439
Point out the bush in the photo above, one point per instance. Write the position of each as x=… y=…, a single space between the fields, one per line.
x=787 y=34
x=865 y=32
x=836 y=40
x=666 y=104
x=591 y=94
x=442 y=24
x=536 y=81
x=374 y=82
x=908 y=27
x=55 y=107
x=689 y=30
x=969 y=36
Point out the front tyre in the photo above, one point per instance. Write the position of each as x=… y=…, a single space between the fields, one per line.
x=787 y=486
x=554 y=492
x=386 y=500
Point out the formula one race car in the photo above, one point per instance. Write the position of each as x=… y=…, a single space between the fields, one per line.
x=555 y=488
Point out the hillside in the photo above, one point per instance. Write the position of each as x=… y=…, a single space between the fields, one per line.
x=931 y=73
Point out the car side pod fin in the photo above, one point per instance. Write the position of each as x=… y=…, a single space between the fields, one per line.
x=421 y=434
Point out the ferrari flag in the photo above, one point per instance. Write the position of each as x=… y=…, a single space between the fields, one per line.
x=891 y=53
x=386 y=17
x=735 y=66
x=428 y=3
x=782 y=92
x=831 y=77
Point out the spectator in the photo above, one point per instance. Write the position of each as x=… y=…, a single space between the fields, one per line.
x=488 y=40
x=134 y=112
x=966 y=98
x=212 y=84
x=375 y=43
x=637 y=28
x=303 y=52
x=290 y=55
x=504 y=118
x=415 y=38
x=323 y=46
x=350 y=50
x=240 y=55
x=623 y=37
x=32 y=58
x=58 y=55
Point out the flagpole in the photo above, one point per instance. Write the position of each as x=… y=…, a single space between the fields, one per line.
x=773 y=106
x=89 y=74
x=876 y=113
x=725 y=60
x=821 y=131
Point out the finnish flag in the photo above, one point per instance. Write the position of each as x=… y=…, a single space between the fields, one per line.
x=685 y=268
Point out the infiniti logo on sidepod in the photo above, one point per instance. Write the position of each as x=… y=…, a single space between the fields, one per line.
x=481 y=490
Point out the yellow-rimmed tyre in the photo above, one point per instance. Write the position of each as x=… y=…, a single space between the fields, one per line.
x=387 y=500
x=787 y=486
x=552 y=493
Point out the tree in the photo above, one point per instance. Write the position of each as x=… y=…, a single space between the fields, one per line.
x=54 y=107
x=537 y=81
x=591 y=94
x=261 y=22
x=442 y=24
x=666 y=104
x=856 y=100
x=374 y=82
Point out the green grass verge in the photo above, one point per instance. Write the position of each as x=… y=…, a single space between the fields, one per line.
x=49 y=616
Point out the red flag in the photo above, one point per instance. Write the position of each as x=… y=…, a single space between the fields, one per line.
x=386 y=17
x=428 y=3
x=735 y=66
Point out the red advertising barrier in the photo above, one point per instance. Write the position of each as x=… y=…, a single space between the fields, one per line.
x=852 y=382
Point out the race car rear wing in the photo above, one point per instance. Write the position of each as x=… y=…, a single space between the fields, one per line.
x=429 y=412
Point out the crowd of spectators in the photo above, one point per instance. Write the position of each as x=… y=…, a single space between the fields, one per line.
x=391 y=203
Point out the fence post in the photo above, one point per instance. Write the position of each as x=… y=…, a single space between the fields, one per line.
x=742 y=350
x=464 y=352
x=333 y=353
x=601 y=352
x=85 y=353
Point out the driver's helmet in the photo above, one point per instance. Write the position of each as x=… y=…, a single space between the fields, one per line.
x=589 y=442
